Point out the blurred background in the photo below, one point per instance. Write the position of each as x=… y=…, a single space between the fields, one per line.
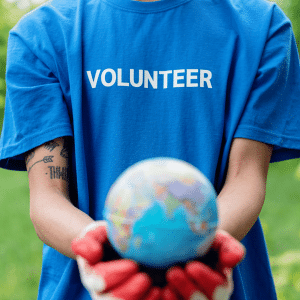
x=21 y=250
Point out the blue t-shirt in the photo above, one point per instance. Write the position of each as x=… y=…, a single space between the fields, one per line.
x=132 y=80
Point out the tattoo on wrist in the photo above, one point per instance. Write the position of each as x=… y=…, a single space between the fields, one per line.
x=46 y=159
x=59 y=173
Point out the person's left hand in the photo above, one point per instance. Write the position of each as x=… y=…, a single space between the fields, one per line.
x=198 y=280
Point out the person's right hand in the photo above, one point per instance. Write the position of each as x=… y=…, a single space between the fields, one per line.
x=104 y=273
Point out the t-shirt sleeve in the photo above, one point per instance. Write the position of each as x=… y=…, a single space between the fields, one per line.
x=35 y=108
x=272 y=111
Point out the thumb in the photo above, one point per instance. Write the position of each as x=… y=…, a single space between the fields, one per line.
x=88 y=248
x=89 y=242
x=231 y=251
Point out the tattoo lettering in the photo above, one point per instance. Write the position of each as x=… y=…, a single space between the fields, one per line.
x=29 y=157
x=46 y=159
x=51 y=145
x=59 y=173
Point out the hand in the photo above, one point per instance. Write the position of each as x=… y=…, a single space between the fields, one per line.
x=102 y=271
x=198 y=280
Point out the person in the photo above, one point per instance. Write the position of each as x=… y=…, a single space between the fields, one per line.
x=94 y=86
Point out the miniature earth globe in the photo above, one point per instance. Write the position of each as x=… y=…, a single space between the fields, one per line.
x=160 y=212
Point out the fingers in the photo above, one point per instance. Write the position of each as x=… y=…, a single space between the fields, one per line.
x=205 y=277
x=198 y=281
x=133 y=289
x=180 y=282
x=105 y=275
x=230 y=250
x=154 y=294
x=169 y=294
x=115 y=272
x=112 y=279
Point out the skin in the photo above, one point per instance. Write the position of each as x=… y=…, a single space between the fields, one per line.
x=243 y=194
x=57 y=221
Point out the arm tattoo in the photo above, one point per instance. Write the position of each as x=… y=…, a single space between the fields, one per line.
x=29 y=157
x=59 y=173
x=46 y=160
x=65 y=150
x=51 y=145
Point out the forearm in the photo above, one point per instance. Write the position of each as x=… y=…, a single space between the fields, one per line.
x=57 y=222
x=240 y=203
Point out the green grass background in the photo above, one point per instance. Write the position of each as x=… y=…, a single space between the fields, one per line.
x=21 y=250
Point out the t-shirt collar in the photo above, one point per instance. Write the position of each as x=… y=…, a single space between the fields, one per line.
x=146 y=7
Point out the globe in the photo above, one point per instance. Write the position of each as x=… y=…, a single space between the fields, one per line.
x=160 y=212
